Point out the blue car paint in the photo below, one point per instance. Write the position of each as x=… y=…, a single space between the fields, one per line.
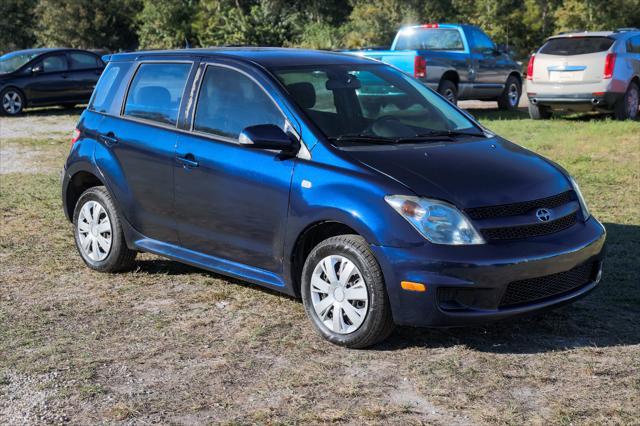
x=271 y=208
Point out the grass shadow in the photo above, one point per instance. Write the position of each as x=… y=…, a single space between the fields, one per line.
x=496 y=114
x=606 y=317
x=50 y=111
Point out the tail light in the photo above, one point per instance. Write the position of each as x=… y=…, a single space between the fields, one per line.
x=530 y=67
x=609 y=65
x=76 y=136
x=419 y=67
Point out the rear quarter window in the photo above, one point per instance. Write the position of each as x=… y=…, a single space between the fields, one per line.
x=576 y=46
x=156 y=92
x=105 y=92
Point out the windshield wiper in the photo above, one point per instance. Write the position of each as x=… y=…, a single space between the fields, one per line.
x=363 y=138
x=450 y=133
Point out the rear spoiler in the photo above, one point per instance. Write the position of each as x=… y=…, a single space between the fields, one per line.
x=106 y=58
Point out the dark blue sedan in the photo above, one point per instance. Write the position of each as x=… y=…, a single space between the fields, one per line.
x=333 y=178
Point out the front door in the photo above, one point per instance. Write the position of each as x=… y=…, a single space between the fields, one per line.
x=488 y=82
x=50 y=83
x=231 y=200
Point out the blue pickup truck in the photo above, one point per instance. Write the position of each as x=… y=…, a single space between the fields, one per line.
x=459 y=61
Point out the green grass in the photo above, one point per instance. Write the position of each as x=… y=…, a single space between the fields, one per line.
x=172 y=344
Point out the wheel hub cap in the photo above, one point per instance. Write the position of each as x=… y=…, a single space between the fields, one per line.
x=339 y=294
x=11 y=102
x=94 y=231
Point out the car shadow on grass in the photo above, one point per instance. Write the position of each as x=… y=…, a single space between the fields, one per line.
x=50 y=111
x=608 y=316
x=523 y=114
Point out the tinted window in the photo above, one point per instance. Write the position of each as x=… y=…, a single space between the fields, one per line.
x=12 y=61
x=229 y=101
x=481 y=41
x=106 y=87
x=429 y=39
x=156 y=91
x=82 y=61
x=54 y=63
x=370 y=100
x=576 y=46
x=633 y=45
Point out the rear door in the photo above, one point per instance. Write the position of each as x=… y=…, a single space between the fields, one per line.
x=85 y=69
x=143 y=140
x=232 y=201
x=571 y=60
x=51 y=82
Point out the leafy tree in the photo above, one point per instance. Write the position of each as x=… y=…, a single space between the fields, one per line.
x=165 y=24
x=16 y=24
x=106 y=24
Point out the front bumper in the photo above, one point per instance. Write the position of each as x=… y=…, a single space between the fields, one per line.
x=485 y=272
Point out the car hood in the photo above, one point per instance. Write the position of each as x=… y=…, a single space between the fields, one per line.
x=469 y=173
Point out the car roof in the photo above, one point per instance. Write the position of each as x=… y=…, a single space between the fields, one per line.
x=610 y=34
x=269 y=57
x=42 y=50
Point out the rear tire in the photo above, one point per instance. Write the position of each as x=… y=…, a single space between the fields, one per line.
x=342 y=275
x=627 y=107
x=538 y=112
x=449 y=90
x=510 y=98
x=98 y=232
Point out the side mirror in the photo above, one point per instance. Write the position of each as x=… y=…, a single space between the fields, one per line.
x=36 y=69
x=268 y=136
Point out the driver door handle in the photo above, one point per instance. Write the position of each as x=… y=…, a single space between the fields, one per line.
x=188 y=161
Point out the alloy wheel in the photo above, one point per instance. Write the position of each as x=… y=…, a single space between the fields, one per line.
x=94 y=231
x=339 y=294
x=450 y=95
x=513 y=95
x=633 y=103
x=12 y=102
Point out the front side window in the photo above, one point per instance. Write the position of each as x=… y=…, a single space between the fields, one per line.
x=156 y=92
x=481 y=41
x=54 y=63
x=230 y=101
x=568 y=46
x=429 y=39
x=81 y=61
x=370 y=101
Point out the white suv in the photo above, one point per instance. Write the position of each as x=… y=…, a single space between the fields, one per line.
x=586 y=71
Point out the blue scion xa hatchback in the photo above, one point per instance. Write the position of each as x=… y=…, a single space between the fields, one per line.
x=334 y=178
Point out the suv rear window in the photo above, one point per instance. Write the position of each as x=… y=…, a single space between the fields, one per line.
x=576 y=46
x=429 y=39
x=156 y=91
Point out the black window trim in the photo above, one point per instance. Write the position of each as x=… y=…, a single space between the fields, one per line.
x=122 y=115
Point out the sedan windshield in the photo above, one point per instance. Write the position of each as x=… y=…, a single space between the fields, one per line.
x=372 y=103
x=12 y=61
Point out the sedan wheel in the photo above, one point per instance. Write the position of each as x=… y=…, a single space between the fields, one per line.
x=339 y=295
x=12 y=102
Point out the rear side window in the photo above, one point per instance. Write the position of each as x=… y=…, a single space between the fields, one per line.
x=429 y=39
x=576 y=46
x=54 y=63
x=481 y=42
x=79 y=61
x=229 y=101
x=156 y=92
x=107 y=84
x=633 y=45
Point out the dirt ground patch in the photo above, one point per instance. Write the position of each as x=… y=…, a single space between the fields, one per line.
x=168 y=343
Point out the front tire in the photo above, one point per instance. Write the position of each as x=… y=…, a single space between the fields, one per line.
x=627 y=107
x=344 y=293
x=12 y=101
x=449 y=90
x=539 y=112
x=510 y=98
x=98 y=232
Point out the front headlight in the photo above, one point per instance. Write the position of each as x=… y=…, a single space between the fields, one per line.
x=437 y=221
x=583 y=205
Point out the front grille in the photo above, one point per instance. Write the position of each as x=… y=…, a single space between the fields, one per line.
x=525 y=231
x=536 y=289
x=517 y=209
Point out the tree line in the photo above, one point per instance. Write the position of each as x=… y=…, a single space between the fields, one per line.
x=322 y=24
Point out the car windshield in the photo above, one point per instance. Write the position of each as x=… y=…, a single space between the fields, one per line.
x=568 y=46
x=372 y=102
x=12 y=61
x=429 y=39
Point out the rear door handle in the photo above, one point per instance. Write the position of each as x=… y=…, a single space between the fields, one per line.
x=109 y=139
x=188 y=161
